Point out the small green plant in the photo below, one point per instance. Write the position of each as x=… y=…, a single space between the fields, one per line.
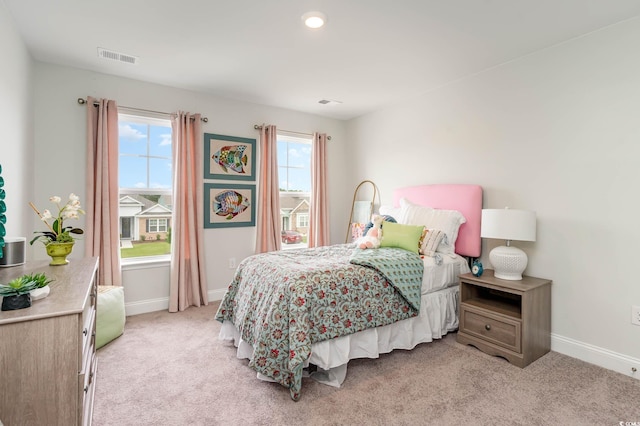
x=40 y=279
x=16 y=287
x=23 y=284
x=143 y=237
x=157 y=237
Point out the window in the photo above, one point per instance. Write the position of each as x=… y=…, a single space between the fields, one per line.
x=294 y=176
x=145 y=180
x=156 y=225
x=302 y=220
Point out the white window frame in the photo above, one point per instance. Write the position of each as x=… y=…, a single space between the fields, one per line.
x=124 y=114
x=288 y=137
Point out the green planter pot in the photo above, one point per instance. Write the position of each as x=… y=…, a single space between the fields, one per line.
x=59 y=252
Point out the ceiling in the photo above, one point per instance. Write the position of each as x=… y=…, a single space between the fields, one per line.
x=370 y=54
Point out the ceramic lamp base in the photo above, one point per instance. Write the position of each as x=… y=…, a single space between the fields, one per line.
x=508 y=262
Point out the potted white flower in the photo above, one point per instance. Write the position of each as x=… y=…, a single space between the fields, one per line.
x=58 y=239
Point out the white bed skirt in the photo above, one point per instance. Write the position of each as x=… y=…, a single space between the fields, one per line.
x=438 y=316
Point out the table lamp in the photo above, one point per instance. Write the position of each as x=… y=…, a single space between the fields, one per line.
x=511 y=225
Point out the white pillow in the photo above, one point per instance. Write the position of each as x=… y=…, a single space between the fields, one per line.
x=448 y=221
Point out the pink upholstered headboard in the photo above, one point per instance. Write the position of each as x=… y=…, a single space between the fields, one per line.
x=467 y=199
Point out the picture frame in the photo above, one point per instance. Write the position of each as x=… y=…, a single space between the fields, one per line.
x=229 y=205
x=229 y=157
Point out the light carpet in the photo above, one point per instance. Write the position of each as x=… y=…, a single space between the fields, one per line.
x=171 y=369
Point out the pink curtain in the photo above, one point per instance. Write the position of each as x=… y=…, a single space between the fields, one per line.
x=319 y=209
x=188 y=285
x=102 y=237
x=268 y=209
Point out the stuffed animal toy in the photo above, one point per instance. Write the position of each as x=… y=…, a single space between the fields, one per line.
x=373 y=236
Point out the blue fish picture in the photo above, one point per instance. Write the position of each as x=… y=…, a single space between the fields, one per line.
x=229 y=204
x=231 y=157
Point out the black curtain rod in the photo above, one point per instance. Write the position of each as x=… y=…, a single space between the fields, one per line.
x=83 y=101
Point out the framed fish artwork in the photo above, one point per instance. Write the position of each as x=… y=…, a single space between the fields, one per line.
x=228 y=205
x=229 y=157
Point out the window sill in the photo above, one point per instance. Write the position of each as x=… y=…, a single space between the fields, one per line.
x=132 y=263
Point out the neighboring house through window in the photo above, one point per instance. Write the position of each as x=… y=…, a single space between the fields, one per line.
x=294 y=175
x=145 y=179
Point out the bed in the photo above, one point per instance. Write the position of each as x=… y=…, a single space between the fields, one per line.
x=287 y=310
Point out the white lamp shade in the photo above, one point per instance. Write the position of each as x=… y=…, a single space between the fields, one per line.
x=508 y=224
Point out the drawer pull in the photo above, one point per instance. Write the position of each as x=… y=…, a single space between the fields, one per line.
x=86 y=389
x=487 y=327
x=85 y=331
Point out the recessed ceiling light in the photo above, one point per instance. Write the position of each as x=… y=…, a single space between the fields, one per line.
x=314 y=19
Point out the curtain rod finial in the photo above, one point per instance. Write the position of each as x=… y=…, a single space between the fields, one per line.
x=81 y=101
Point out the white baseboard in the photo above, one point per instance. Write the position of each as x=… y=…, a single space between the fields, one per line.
x=595 y=355
x=215 y=295
x=162 y=304
x=146 y=306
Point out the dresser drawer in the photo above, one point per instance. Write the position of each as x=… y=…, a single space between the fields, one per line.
x=88 y=335
x=86 y=389
x=496 y=329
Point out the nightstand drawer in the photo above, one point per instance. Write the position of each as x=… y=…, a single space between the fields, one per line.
x=491 y=328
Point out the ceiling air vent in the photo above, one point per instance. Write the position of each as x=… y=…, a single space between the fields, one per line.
x=116 y=56
x=329 y=102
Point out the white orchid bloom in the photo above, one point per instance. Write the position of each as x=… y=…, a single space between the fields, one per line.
x=70 y=214
x=70 y=210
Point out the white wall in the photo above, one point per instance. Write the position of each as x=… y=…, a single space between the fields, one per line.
x=557 y=132
x=16 y=137
x=60 y=133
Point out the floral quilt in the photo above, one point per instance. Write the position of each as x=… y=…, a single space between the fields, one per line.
x=282 y=302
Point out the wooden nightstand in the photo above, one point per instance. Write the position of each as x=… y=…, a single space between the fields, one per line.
x=510 y=319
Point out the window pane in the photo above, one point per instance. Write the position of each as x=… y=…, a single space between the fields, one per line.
x=282 y=154
x=299 y=180
x=160 y=141
x=159 y=173
x=283 y=178
x=132 y=172
x=294 y=174
x=145 y=180
x=133 y=138
x=299 y=155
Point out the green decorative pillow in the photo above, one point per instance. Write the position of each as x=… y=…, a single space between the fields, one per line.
x=406 y=237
